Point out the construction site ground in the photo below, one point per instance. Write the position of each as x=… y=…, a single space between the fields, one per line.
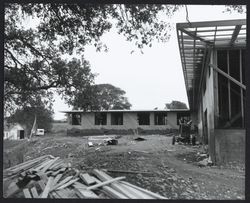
x=172 y=170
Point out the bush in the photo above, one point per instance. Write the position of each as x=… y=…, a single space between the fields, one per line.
x=104 y=131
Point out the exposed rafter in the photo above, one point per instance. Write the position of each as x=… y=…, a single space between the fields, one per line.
x=197 y=39
x=195 y=36
x=235 y=34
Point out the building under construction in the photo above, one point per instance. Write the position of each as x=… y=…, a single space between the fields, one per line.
x=213 y=60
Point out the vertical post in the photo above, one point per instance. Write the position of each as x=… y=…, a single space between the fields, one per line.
x=151 y=118
x=108 y=118
x=228 y=86
x=241 y=91
x=215 y=81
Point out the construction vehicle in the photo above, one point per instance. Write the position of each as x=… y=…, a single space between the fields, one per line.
x=184 y=135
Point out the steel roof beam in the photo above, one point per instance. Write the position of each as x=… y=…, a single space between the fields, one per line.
x=212 y=23
x=194 y=36
x=221 y=30
x=235 y=34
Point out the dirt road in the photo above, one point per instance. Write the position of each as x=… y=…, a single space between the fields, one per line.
x=170 y=170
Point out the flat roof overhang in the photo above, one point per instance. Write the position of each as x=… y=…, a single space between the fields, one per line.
x=196 y=40
x=125 y=111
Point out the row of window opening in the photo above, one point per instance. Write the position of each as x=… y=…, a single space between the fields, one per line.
x=160 y=118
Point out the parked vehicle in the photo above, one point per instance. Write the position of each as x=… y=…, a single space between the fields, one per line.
x=40 y=132
x=185 y=134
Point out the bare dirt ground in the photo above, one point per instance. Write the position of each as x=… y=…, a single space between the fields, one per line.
x=172 y=169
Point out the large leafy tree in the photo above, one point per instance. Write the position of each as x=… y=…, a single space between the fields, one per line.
x=111 y=97
x=236 y=8
x=101 y=97
x=33 y=64
x=176 y=105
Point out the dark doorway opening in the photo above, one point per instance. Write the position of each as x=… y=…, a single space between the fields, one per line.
x=21 y=133
x=205 y=129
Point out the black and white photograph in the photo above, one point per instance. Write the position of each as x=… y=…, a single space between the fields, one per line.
x=124 y=101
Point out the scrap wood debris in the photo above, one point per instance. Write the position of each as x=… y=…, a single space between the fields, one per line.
x=139 y=139
x=102 y=140
x=50 y=177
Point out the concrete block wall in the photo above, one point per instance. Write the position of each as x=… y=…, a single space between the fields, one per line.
x=230 y=146
x=208 y=105
x=129 y=122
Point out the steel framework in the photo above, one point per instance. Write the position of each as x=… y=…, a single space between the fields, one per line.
x=196 y=40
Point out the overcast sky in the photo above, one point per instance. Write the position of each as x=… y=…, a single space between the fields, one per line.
x=150 y=79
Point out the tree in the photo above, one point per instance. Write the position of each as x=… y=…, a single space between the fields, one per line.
x=33 y=64
x=111 y=97
x=236 y=8
x=26 y=116
x=176 y=105
x=102 y=97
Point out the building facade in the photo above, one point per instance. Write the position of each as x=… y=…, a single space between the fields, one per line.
x=213 y=60
x=126 y=119
x=14 y=131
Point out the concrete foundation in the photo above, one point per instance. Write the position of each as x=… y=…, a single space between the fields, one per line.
x=229 y=146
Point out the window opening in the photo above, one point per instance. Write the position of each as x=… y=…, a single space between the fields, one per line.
x=117 y=118
x=143 y=118
x=101 y=118
x=76 y=119
x=160 y=118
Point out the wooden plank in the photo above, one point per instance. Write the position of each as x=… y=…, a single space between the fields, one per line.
x=138 y=193
x=48 y=173
x=89 y=180
x=49 y=164
x=58 y=171
x=15 y=189
x=67 y=184
x=42 y=165
x=124 y=171
x=62 y=165
x=157 y=196
x=42 y=176
x=78 y=184
x=105 y=183
x=71 y=193
x=12 y=190
x=39 y=164
x=57 y=178
x=63 y=182
x=34 y=192
x=104 y=177
x=111 y=192
x=41 y=184
x=55 y=195
x=57 y=163
x=82 y=193
x=47 y=188
x=24 y=163
x=24 y=167
x=26 y=193
x=228 y=76
x=65 y=194
x=12 y=184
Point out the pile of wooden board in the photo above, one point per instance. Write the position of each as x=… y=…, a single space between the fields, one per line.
x=51 y=177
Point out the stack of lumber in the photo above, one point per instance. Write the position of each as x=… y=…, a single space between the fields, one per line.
x=50 y=177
